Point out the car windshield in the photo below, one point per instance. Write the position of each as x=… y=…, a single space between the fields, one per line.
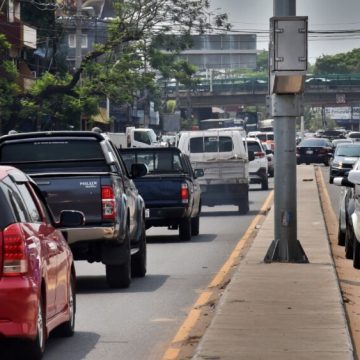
x=352 y=151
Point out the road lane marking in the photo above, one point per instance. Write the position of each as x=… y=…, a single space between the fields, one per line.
x=174 y=349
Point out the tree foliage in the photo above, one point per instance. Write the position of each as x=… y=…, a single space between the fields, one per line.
x=343 y=63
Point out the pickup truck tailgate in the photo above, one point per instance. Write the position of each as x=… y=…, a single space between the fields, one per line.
x=81 y=193
x=156 y=189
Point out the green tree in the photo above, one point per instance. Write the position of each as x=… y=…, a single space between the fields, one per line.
x=343 y=63
x=8 y=87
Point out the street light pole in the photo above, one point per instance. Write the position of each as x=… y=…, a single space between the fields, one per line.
x=284 y=106
x=78 y=35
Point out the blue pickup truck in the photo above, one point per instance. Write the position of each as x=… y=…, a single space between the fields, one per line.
x=170 y=190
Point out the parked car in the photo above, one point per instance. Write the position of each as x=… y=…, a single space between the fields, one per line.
x=37 y=274
x=351 y=201
x=314 y=150
x=345 y=156
x=258 y=166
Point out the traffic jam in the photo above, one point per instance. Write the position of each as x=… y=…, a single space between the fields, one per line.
x=69 y=196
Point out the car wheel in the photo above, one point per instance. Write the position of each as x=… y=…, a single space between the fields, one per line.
x=341 y=236
x=356 y=255
x=271 y=173
x=326 y=162
x=195 y=225
x=119 y=276
x=348 y=243
x=36 y=348
x=331 y=179
x=265 y=184
x=67 y=329
x=243 y=208
x=185 y=229
x=138 y=261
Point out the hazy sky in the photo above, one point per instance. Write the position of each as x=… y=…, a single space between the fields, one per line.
x=254 y=15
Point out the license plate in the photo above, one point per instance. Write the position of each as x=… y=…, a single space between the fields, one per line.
x=309 y=152
x=147 y=213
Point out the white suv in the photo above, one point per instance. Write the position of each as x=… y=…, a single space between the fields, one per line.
x=258 y=168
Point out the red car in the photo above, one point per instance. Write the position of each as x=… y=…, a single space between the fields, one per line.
x=37 y=275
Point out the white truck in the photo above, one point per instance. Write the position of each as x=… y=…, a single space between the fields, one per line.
x=134 y=137
x=225 y=161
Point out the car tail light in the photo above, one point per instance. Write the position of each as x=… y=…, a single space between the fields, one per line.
x=184 y=193
x=14 y=252
x=259 y=154
x=108 y=203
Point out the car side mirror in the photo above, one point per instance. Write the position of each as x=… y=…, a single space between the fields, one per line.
x=71 y=218
x=199 y=173
x=138 y=170
x=251 y=155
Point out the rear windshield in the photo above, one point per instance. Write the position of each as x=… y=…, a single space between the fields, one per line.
x=156 y=162
x=314 y=142
x=254 y=146
x=59 y=153
x=210 y=144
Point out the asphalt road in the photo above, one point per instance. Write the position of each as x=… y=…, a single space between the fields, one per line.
x=138 y=323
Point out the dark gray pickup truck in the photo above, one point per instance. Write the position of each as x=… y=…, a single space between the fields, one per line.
x=171 y=192
x=82 y=170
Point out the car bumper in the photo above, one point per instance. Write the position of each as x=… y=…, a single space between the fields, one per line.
x=317 y=159
x=258 y=176
x=339 y=172
x=18 y=307
x=165 y=216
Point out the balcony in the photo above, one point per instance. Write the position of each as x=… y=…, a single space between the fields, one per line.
x=18 y=34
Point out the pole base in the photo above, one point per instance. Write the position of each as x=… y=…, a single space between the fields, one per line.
x=274 y=255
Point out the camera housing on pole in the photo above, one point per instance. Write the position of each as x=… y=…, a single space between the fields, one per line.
x=288 y=54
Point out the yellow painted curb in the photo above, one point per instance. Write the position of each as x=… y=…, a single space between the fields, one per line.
x=174 y=349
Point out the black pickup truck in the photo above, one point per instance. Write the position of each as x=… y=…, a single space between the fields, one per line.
x=82 y=170
x=171 y=192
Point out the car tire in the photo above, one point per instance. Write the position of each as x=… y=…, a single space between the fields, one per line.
x=185 y=229
x=265 y=184
x=195 y=225
x=331 y=179
x=271 y=173
x=348 y=243
x=34 y=350
x=138 y=261
x=119 y=276
x=243 y=208
x=341 y=236
x=356 y=254
x=67 y=329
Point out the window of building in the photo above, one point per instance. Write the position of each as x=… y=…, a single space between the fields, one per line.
x=72 y=41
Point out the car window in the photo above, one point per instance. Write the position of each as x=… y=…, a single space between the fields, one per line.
x=30 y=204
x=353 y=151
x=11 y=192
x=254 y=147
x=314 y=142
x=210 y=144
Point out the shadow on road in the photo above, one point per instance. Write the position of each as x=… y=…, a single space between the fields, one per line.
x=174 y=239
x=97 y=284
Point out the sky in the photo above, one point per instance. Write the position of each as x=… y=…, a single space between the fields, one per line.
x=254 y=15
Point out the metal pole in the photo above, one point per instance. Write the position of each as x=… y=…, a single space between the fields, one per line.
x=78 y=35
x=285 y=247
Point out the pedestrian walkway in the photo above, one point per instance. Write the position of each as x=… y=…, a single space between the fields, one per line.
x=283 y=310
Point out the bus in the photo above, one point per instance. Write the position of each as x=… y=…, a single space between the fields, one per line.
x=220 y=123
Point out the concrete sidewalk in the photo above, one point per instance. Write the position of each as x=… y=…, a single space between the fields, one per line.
x=282 y=310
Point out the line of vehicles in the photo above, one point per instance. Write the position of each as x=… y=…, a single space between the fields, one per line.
x=82 y=195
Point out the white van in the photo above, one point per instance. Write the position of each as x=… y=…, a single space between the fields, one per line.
x=224 y=159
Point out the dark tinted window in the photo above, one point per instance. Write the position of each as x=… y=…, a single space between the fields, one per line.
x=50 y=150
x=11 y=192
x=211 y=144
x=254 y=146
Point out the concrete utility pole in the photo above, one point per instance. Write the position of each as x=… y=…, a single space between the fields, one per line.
x=78 y=35
x=284 y=107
